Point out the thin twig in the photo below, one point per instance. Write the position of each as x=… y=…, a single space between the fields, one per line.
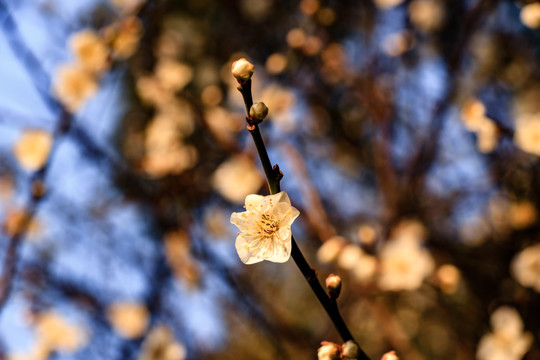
x=9 y=265
x=274 y=176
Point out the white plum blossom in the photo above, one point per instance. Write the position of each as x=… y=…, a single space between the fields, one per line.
x=526 y=267
x=405 y=263
x=265 y=228
x=507 y=341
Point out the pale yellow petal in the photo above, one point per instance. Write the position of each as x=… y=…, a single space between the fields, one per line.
x=33 y=148
x=129 y=319
x=247 y=255
x=253 y=201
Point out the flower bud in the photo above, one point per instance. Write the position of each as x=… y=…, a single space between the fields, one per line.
x=391 y=355
x=328 y=351
x=333 y=284
x=258 y=111
x=349 y=350
x=242 y=70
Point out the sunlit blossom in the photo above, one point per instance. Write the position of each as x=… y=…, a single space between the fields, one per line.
x=281 y=100
x=237 y=177
x=397 y=43
x=526 y=267
x=427 y=15
x=296 y=37
x=90 y=50
x=74 y=85
x=367 y=234
x=475 y=120
x=487 y=136
x=33 y=148
x=527 y=134
x=152 y=92
x=126 y=37
x=365 y=269
x=349 y=256
x=522 y=214
x=472 y=114
x=173 y=75
x=507 y=341
x=276 y=63
x=57 y=334
x=405 y=263
x=129 y=319
x=211 y=95
x=530 y=15
x=265 y=228
x=448 y=278
x=223 y=124
x=330 y=249
x=175 y=159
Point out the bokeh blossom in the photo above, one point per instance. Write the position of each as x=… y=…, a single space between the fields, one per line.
x=527 y=135
x=125 y=36
x=507 y=341
x=90 y=50
x=526 y=267
x=265 y=228
x=33 y=148
x=129 y=319
x=74 y=86
x=237 y=177
x=404 y=261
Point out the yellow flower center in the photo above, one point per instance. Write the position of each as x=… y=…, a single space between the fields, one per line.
x=267 y=225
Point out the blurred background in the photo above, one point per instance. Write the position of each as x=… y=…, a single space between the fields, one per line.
x=408 y=133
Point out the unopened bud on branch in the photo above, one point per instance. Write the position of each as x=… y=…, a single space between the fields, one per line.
x=258 y=111
x=391 y=355
x=333 y=284
x=349 y=350
x=329 y=351
x=242 y=70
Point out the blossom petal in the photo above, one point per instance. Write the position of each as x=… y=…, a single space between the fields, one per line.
x=285 y=213
x=243 y=221
x=253 y=201
x=282 y=254
x=247 y=256
x=282 y=197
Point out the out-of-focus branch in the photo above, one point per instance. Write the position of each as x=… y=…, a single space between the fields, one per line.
x=244 y=300
x=427 y=152
x=316 y=214
x=40 y=78
x=393 y=331
x=35 y=198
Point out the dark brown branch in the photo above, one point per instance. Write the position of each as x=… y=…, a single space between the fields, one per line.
x=274 y=176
